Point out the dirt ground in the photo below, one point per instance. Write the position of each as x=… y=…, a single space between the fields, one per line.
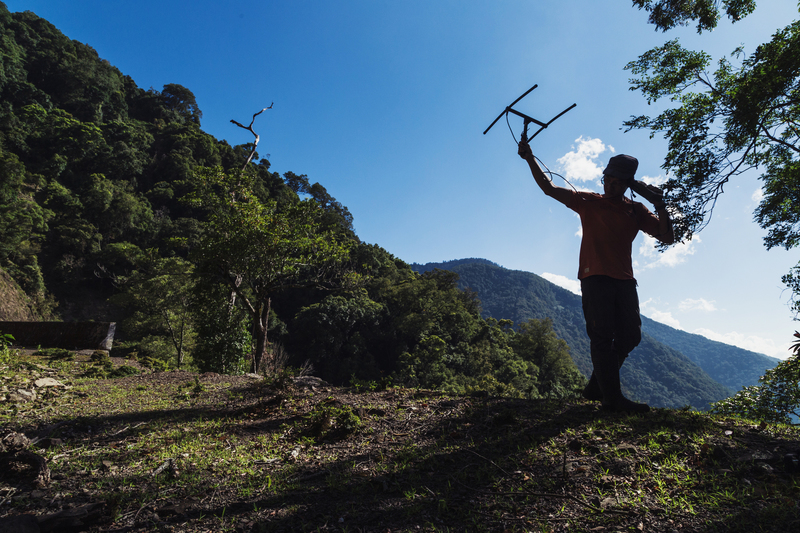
x=178 y=451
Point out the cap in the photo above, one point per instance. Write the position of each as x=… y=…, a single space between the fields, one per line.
x=622 y=167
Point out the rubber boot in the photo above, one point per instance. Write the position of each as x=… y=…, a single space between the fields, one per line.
x=592 y=390
x=613 y=400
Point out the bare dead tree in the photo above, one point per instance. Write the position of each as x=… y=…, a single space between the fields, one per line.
x=250 y=129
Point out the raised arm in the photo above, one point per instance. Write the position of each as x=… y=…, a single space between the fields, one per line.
x=652 y=194
x=559 y=193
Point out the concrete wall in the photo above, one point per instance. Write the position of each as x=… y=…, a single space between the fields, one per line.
x=69 y=335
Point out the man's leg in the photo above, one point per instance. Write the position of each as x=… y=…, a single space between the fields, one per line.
x=598 y=310
x=628 y=322
x=613 y=324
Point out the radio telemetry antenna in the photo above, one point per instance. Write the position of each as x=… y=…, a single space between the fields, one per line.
x=526 y=118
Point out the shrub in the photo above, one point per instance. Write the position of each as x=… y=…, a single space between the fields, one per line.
x=55 y=353
x=776 y=399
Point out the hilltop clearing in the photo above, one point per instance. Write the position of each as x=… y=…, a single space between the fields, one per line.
x=178 y=451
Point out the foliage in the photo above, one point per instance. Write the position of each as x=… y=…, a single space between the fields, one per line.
x=537 y=343
x=55 y=353
x=6 y=355
x=776 y=399
x=224 y=342
x=666 y=14
x=738 y=118
x=339 y=336
x=327 y=421
x=89 y=161
x=160 y=296
x=256 y=249
x=6 y=340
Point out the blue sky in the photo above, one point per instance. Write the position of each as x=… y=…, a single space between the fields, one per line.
x=384 y=103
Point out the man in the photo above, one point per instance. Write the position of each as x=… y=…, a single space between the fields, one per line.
x=610 y=222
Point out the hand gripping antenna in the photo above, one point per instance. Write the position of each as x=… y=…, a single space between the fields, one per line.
x=526 y=118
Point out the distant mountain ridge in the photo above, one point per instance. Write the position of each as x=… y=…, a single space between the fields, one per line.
x=669 y=368
x=732 y=366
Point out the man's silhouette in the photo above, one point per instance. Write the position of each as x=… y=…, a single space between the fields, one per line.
x=610 y=222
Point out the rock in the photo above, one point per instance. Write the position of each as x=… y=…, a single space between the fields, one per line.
x=22 y=395
x=47 y=382
x=765 y=468
x=607 y=503
x=628 y=448
x=755 y=456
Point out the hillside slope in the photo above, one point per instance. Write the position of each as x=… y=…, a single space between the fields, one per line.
x=15 y=306
x=655 y=372
x=732 y=366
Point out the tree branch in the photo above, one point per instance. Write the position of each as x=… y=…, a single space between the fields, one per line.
x=250 y=129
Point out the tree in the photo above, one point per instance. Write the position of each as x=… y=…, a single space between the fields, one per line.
x=23 y=224
x=338 y=336
x=181 y=100
x=666 y=14
x=223 y=342
x=161 y=295
x=740 y=117
x=537 y=342
x=256 y=249
x=776 y=399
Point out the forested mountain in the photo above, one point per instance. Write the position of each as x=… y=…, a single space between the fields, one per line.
x=732 y=366
x=115 y=205
x=669 y=367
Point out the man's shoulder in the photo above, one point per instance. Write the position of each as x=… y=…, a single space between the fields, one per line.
x=582 y=199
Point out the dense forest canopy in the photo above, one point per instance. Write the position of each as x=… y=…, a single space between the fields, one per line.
x=116 y=205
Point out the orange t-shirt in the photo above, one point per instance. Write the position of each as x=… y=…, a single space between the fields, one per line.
x=608 y=232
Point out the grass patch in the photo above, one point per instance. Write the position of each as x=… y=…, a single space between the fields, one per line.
x=185 y=452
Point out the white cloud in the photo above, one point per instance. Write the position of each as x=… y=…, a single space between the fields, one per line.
x=701 y=304
x=665 y=317
x=572 y=285
x=580 y=164
x=672 y=257
x=753 y=343
x=757 y=195
x=657 y=181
